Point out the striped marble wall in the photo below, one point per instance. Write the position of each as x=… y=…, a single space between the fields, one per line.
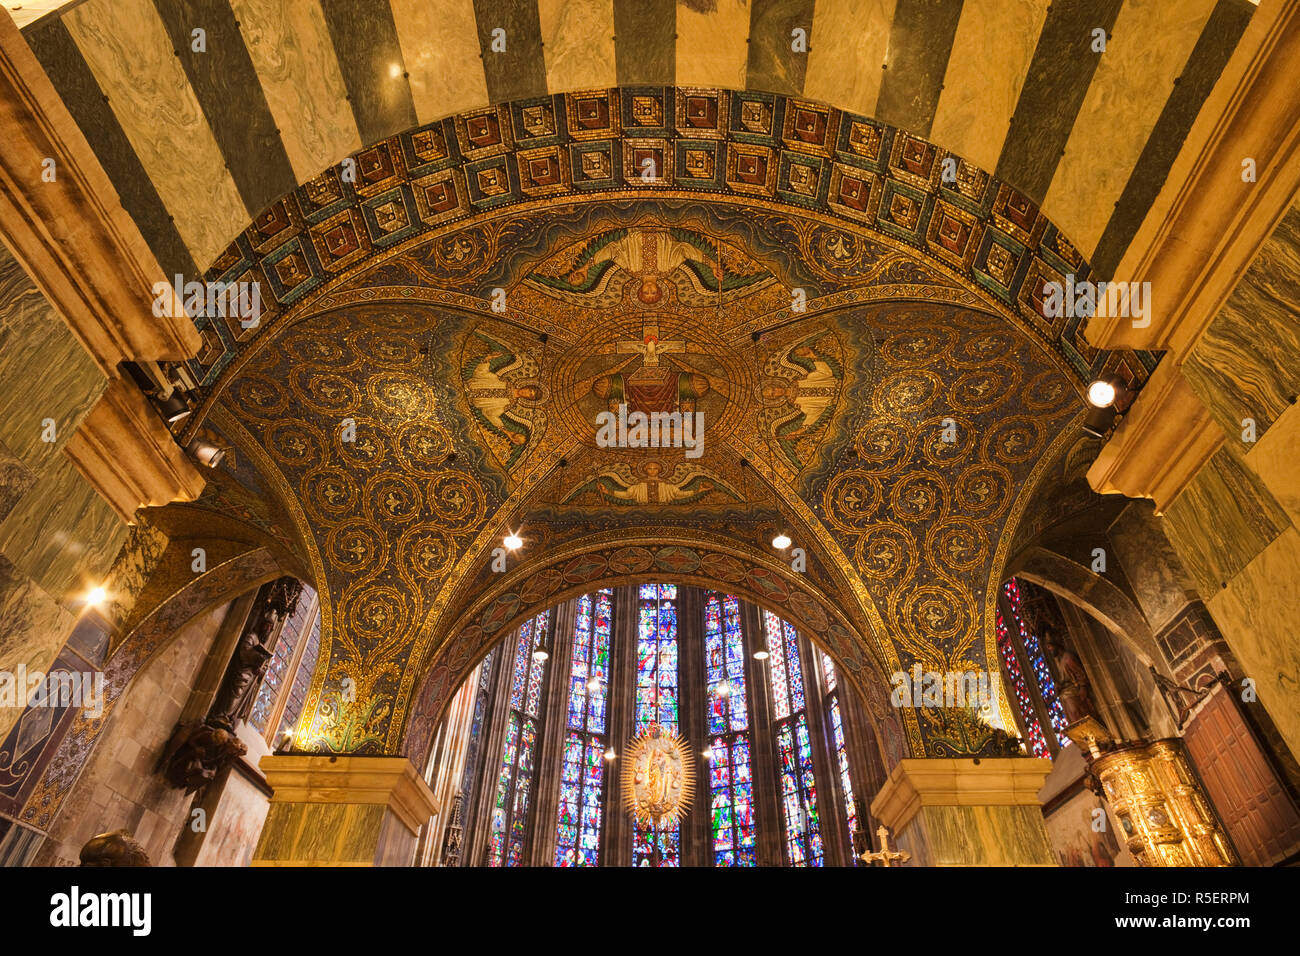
x=199 y=142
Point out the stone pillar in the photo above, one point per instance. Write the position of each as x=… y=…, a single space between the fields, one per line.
x=342 y=811
x=966 y=812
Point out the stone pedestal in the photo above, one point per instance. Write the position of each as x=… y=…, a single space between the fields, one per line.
x=968 y=812
x=342 y=811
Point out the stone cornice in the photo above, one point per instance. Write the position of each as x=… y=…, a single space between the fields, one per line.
x=72 y=236
x=990 y=781
x=1160 y=445
x=125 y=452
x=1207 y=225
x=390 y=781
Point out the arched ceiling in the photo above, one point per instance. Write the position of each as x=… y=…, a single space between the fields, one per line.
x=893 y=427
x=890 y=427
x=199 y=142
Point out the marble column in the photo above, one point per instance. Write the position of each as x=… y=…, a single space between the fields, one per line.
x=966 y=812
x=342 y=811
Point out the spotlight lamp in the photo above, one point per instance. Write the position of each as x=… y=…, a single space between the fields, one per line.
x=206 y=453
x=1107 y=391
x=96 y=595
x=173 y=408
x=782 y=541
x=760 y=655
x=1108 y=396
x=610 y=755
x=513 y=542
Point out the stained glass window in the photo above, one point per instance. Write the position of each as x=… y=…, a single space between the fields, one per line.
x=730 y=778
x=295 y=629
x=840 y=747
x=476 y=728
x=514 y=780
x=582 y=773
x=1036 y=742
x=302 y=679
x=656 y=700
x=1040 y=677
x=803 y=839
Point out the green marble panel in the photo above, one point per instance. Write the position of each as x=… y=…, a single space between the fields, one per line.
x=16 y=479
x=644 y=49
x=773 y=65
x=44 y=371
x=321 y=830
x=1246 y=364
x=1222 y=519
x=920 y=42
x=365 y=40
x=1058 y=80
x=952 y=836
x=520 y=71
x=1218 y=39
x=279 y=831
x=62 y=533
x=361 y=836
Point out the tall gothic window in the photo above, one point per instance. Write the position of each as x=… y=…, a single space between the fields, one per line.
x=803 y=839
x=730 y=776
x=1028 y=676
x=538 y=784
x=581 y=778
x=510 y=811
x=840 y=747
x=288 y=674
x=656 y=700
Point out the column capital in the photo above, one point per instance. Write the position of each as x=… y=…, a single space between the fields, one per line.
x=388 y=781
x=966 y=782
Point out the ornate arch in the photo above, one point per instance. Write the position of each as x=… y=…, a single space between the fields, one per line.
x=673 y=555
x=907 y=523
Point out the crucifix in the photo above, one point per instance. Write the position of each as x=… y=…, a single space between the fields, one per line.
x=885 y=856
x=650 y=347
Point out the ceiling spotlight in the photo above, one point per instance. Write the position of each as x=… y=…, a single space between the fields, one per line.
x=173 y=408
x=724 y=689
x=707 y=753
x=609 y=754
x=760 y=655
x=540 y=654
x=781 y=541
x=513 y=542
x=1101 y=394
x=206 y=453
x=1098 y=421
x=593 y=685
x=1106 y=391
x=96 y=595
